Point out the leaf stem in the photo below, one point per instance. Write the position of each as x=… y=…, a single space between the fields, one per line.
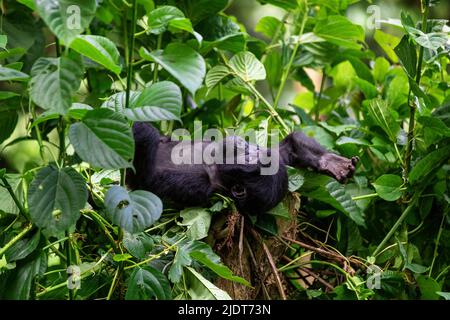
x=69 y=262
x=436 y=245
x=62 y=141
x=19 y=205
x=397 y=224
x=19 y=236
x=153 y=257
x=287 y=69
x=156 y=66
x=412 y=112
x=319 y=98
x=130 y=53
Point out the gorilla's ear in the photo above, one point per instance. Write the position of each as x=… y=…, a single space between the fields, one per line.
x=298 y=150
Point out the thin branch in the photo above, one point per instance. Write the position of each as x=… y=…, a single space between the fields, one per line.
x=272 y=265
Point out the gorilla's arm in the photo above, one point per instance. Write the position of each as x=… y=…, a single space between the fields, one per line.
x=298 y=150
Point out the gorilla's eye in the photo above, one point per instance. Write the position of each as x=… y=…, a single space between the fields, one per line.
x=238 y=191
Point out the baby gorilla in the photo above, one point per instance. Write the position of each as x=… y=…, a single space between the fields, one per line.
x=193 y=183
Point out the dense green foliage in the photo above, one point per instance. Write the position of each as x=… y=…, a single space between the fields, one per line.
x=76 y=74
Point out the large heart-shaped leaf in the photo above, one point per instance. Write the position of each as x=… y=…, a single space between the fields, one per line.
x=98 y=49
x=146 y=283
x=103 y=139
x=67 y=18
x=340 y=31
x=133 y=211
x=247 y=67
x=160 y=101
x=54 y=81
x=182 y=62
x=55 y=198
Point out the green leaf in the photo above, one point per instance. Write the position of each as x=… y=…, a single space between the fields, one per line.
x=435 y=124
x=8 y=74
x=122 y=257
x=247 y=67
x=198 y=10
x=184 y=24
x=407 y=54
x=380 y=69
x=106 y=132
x=159 y=18
x=59 y=76
x=183 y=257
x=4 y=95
x=22 y=248
x=182 y=62
x=432 y=41
x=160 y=101
x=146 y=283
x=369 y=90
x=296 y=179
x=7 y=203
x=280 y=210
x=380 y=113
x=215 y=75
x=267 y=223
x=20 y=285
x=98 y=49
x=133 y=211
x=200 y=288
x=218 y=268
x=67 y=18
x=445 y=295
x=197 y=220
x=428 y=287
x=55 y=198
x=334 y=194
x=285 y=4
x=387 y=42
x=340 y=31
x=8 y=122
x=388 y=187
x=138 y=244
x=428 y=164
x=274 y=70
x=3 y=41
x=117 y=102
x=29 y=3
x=268 y=26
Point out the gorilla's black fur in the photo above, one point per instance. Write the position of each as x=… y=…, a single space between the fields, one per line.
x=193 y=184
